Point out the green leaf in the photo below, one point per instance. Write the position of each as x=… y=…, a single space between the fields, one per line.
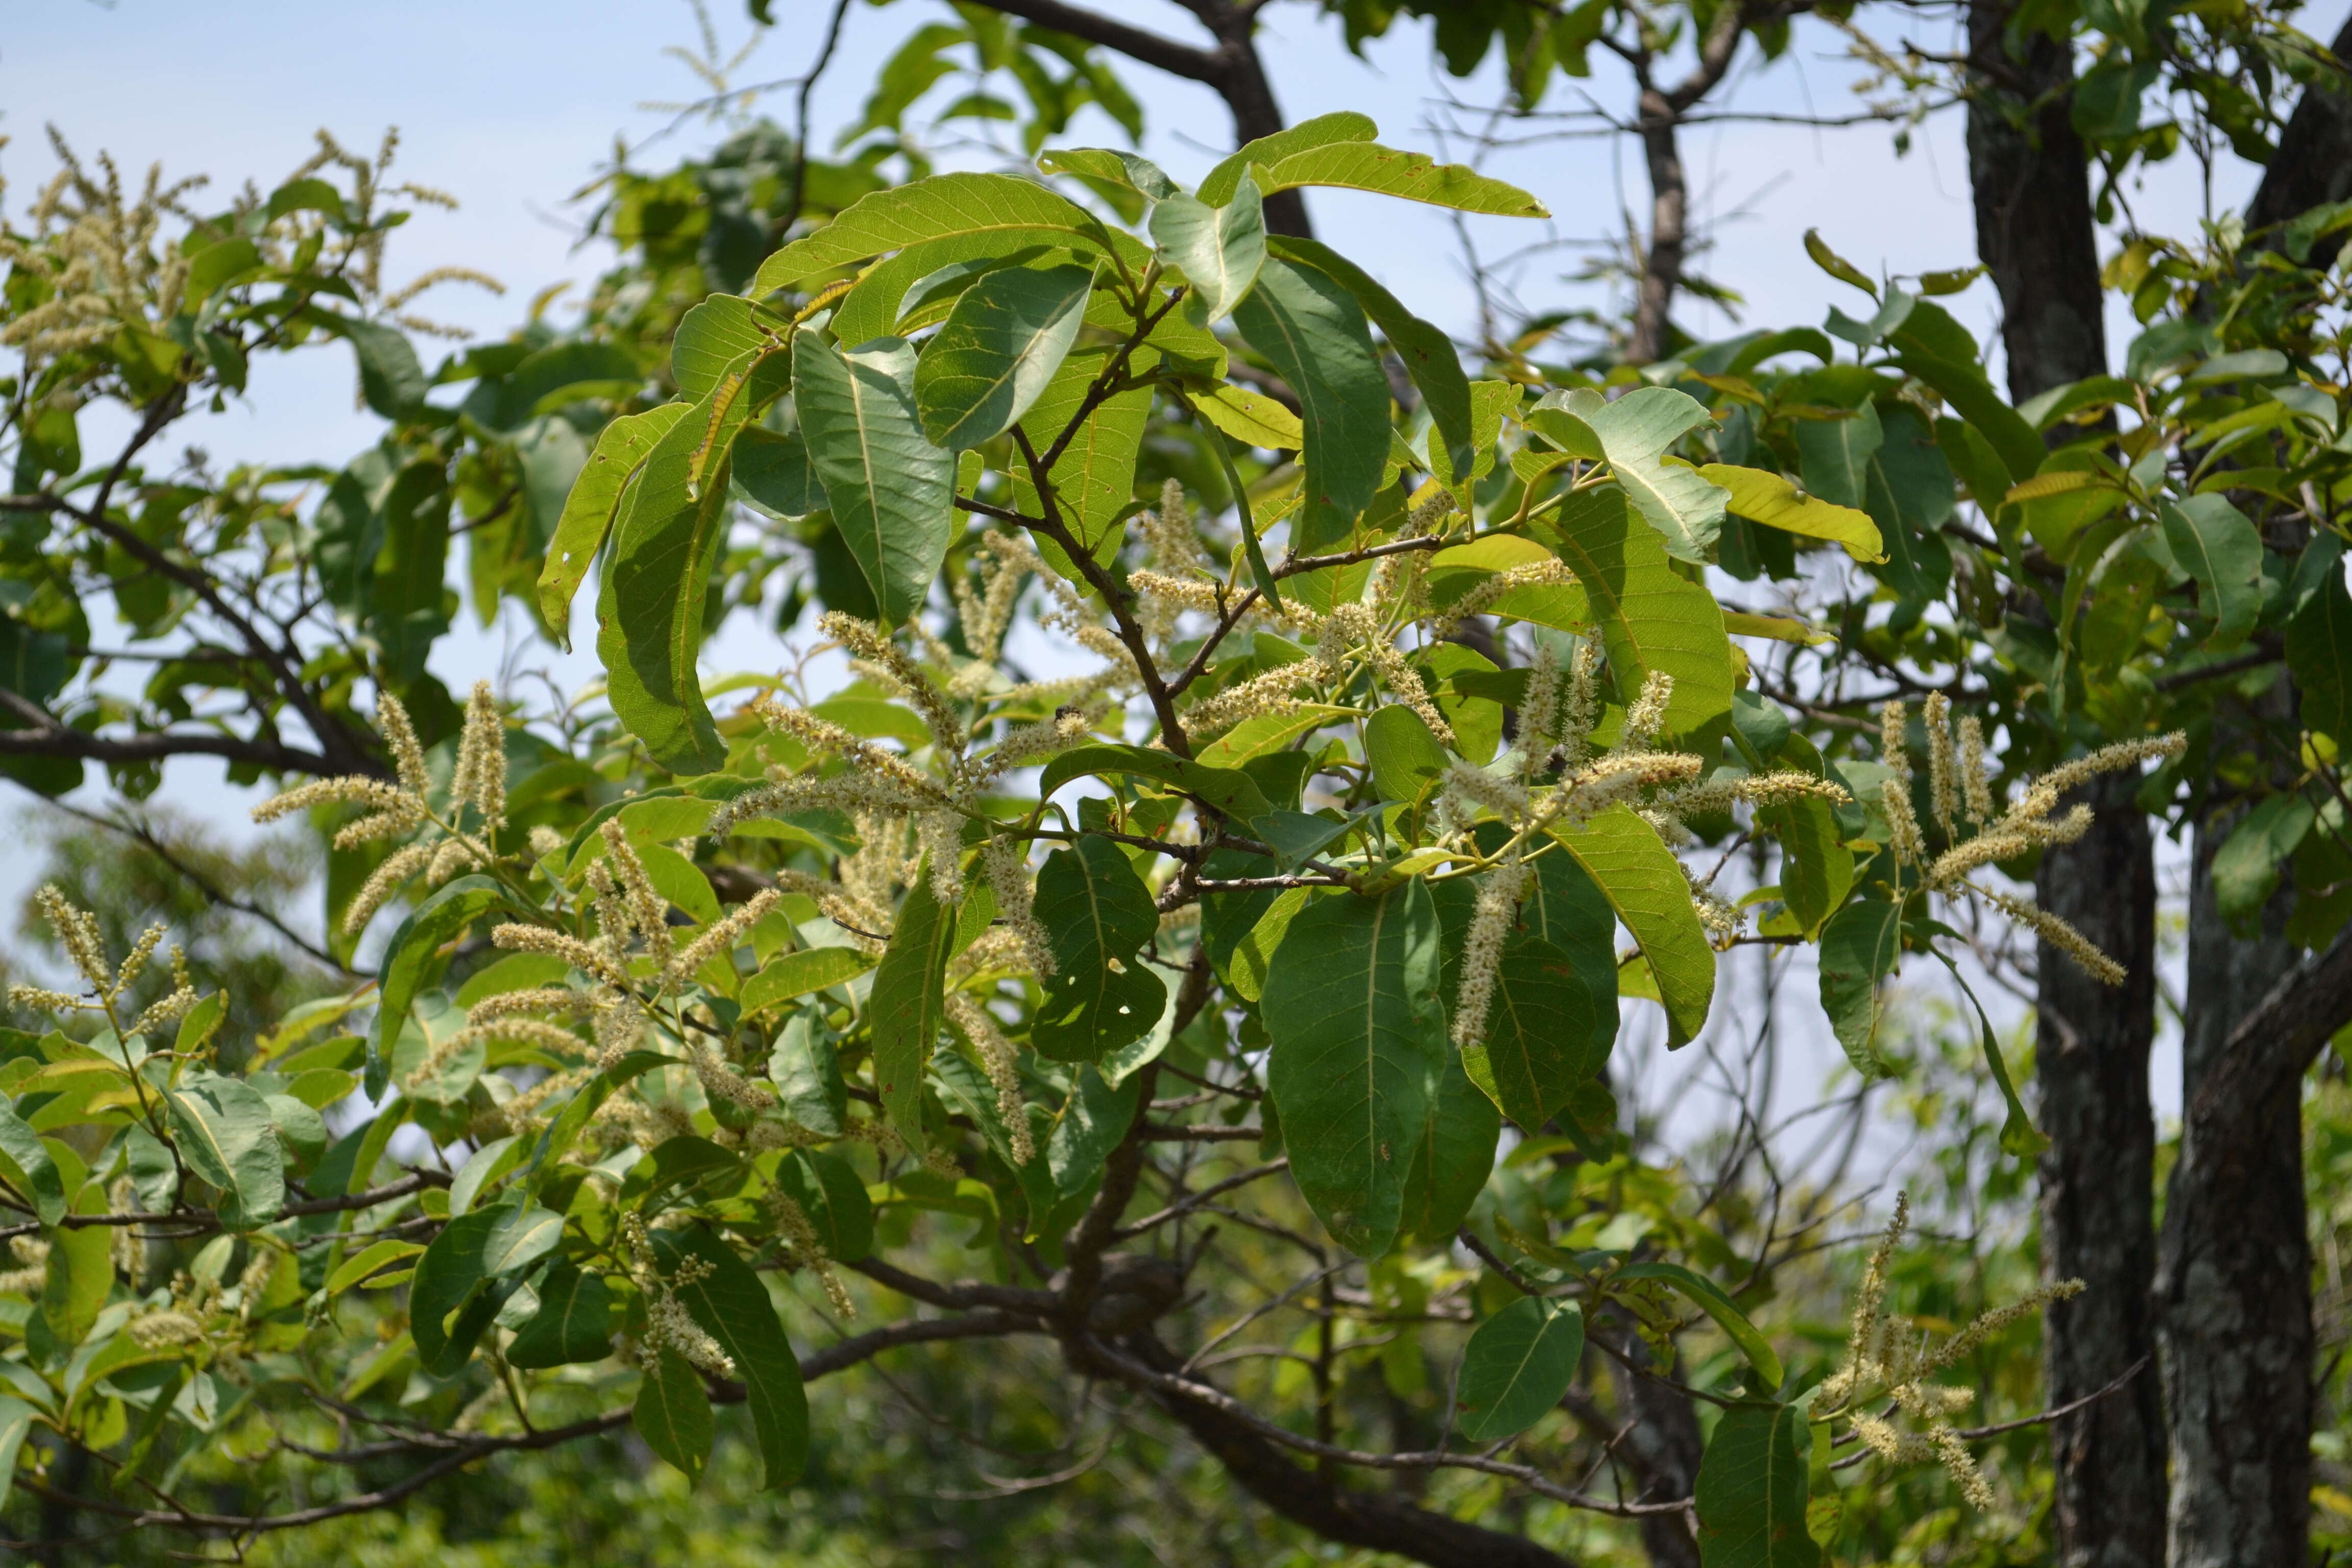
x=573 y=1323
x=15 y=1422
x=25 y=1160
x=1352 y=1009
x=712 y=341
x=775 y=473
x=1428 y=354
x=832 y=1193
x=907 y=1006
x=1094 y=479
x=1313 y=332
x=1253 y=956
x=1142 y=176
x=1644 y=884
x=1402 y=751
x=1539 y=1042
x=1249 y=418
x=80 y=1273
x=1414 y=176
x=2216 y=544
x=998 y=212
x=410 y=955
x=1452 y=1157
x=1860 y=947
x=733 y=1305
x=2246 y=868
x=391 y=383
x=2319 y=654
x=997 y=350
x=523 y=1237
x=1230 y=790
x=1632 y=434
x=791 y=974
x=892 y=491
x=1219 y=183
x=1837 y=266
x=1651 y=618
x=1703 y=1293
x=1751 y=1490
x=449 y=1308
x=2019 y=1136
x=1816 y=868
x=2008 y=433
x=223 y=1132
x=1518 y=1366
x=1096 y=913
x=1835 y=455
x=1775 y=502
x=806 y=1072
x=673 y=1413
x=1219 y=249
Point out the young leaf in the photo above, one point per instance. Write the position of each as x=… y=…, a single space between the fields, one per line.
x=1249 y=418
x=1775 y=502
x=907 y=1006
x=892 y=490
x=1837 y=266
x=1313 y=331
x=573 y=1323
x=1651 y=618
x=406 y=958
x=596 y=498
x=2217 y=546
x=1860 y=947
x=1352 y=1009
x=996 y=210
x=1518 y=1366
x=1644 y=884
x=1632 y=434
x=673 y=1413
x=1703 y=1293
x=1218 y=184
x=997 y=350
x=1219 y=249
x=1414 y=176
x=1751 y=1490
x=1537 y=1047
x=728 y=1299
x=1097 y=912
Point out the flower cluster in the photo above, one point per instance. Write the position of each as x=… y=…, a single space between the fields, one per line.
x=1886 y=1360
x=78 y=934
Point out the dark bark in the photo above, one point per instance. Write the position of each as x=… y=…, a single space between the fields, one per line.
x=2233 y=1286
x=1663 y=1450
x=1662 y=264
x=1373 y=1521
x=2035 y=233
x=1233 y=69
x=2031 y=186
x=2098 y=1189
x=2314 y=163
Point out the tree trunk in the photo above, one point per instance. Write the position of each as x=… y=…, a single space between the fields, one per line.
x=1663 y=1450
x=1662 y=265
x=2031 y=192
x=2234 y=1289
x=2098 y=1189
x=2314 y=163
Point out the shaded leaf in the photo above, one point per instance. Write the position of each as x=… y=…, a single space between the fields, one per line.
x=999 y=348
x=891 y=489
x=1518 y=1366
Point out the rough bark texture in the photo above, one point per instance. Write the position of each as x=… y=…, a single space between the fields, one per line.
x=1375 y=1522
x=2097 y=1190
x=1663 y=1450
x=2314 y=161
x=2031 y=188
x=2233 y=1290
x=1662 y=270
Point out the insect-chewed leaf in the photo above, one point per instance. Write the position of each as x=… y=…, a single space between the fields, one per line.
x=997 y=352
x=1415 y=177
x=1313 y=331
x=1352 y=1009
x=1218 y=248
x=1097 y=912
x=892 y=490
x=1752 y=1484
x=1517 y=1367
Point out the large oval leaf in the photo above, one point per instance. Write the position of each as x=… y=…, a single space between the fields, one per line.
x=1540 y=1034
x=1517 y=1367
x=1219 y=249
x=893 y=492
x=1313 y=331
x=998 y=350
x=733 y=1305
x=1415 y=177
x=1752 y=1484
x=1358 y=1031
x=1644 y=884
x=996 y=207
x=1650 y=617
x=1096 y=913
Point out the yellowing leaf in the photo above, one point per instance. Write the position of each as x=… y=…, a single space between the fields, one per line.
x=1775 y=502
x=1250 y=416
